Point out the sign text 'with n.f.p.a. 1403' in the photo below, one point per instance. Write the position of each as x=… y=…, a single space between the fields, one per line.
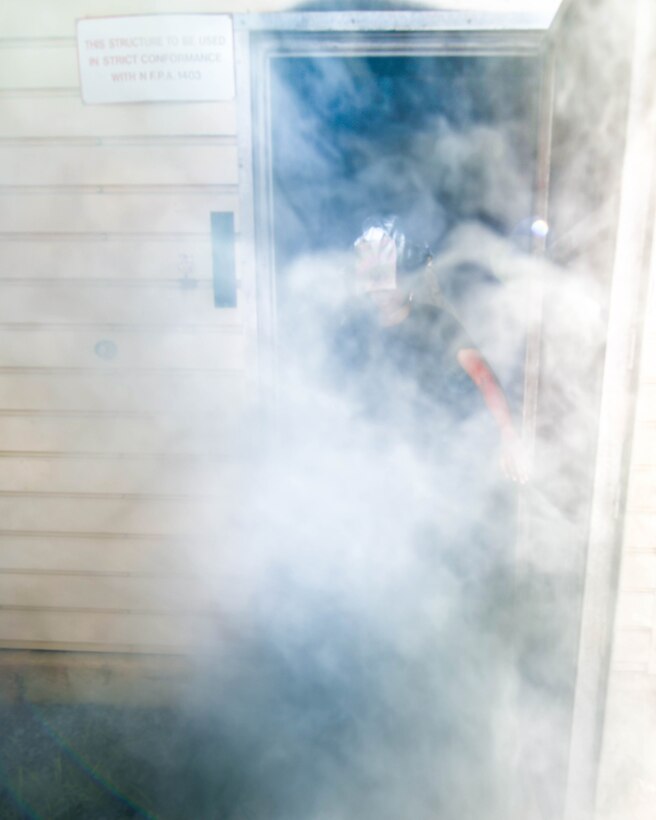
x=156 y=58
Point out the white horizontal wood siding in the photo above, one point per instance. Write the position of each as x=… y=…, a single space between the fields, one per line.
x=172 y=163
x=24 y=113
x=118 y=475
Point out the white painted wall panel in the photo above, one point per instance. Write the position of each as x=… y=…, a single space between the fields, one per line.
x=116 y=165
x=127 y=475
x=41 y=115
x=630 y=761
x=178 y=212
x=166 y=257
x=113 y=303
x=94 y=631
x=643 y=488
x=51 y=64
x=75 y=554
x=133 y=515
x=648 y=356
x=119 y=392
x=632 y=650
x=195 y=433
x=646 y=405
x=640 y=531
x=636 y=610
x=644 y=445
x=639 y=571
x=111 y=593
x=208 y=348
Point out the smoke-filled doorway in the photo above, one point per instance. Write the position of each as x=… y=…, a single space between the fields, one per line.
x=446 y=143
x=437 y=139
x=354 y=116
x=374 y=502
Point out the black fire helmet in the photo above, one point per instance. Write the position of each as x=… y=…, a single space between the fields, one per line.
x=411 y=256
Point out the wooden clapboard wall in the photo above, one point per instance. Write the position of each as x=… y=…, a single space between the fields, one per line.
x=116 y=473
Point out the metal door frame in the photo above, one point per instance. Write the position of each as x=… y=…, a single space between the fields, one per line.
x=260 y=37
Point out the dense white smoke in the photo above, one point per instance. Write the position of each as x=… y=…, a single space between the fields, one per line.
x=398 y=620
x=403 y=651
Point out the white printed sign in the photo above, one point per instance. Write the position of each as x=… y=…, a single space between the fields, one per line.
x=156 y=58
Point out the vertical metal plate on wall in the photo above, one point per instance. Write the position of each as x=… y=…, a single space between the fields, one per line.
x=223 y=259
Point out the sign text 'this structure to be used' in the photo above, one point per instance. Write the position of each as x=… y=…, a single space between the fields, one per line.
x=156 y=58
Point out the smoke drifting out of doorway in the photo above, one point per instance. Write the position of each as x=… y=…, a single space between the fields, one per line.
x=399 y=654
x=389 y=644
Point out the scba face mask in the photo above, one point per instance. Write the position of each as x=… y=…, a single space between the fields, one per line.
x=385 y=252
x=377 y=259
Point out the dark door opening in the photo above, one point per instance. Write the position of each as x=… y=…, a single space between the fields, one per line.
x=442 y=142
x=419 y=136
